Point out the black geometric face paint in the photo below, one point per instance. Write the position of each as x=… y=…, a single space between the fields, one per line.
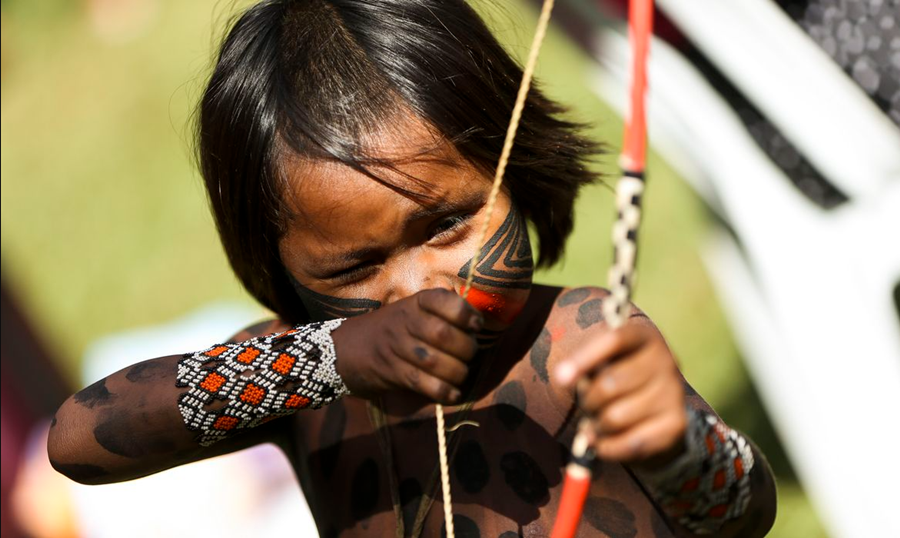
x=325 y=307
x=506 y=258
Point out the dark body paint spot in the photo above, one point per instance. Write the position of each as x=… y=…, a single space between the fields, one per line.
x=589 y=313
x=463 y=527
x=573 y=297
x=114 y=433
x=145 y=371
x=80 y=472
x=53 y=422
x=410 y=497
x=610 y=517
x=540 y=351
x=364 y=490
x=421 y=353
x=524 y=476
x=510 y=405
x=330 y=437
x=94 y=395
x=471 y=467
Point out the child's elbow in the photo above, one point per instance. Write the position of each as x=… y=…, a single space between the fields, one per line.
x=69 y=455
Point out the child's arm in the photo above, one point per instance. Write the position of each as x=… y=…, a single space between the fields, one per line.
x=127 y=425
x=169 y=411
x=705 y=476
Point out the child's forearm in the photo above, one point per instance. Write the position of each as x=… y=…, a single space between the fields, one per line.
x=124 y=426
x=168 y=411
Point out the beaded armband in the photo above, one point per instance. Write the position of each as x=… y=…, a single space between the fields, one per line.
x=259 y=380
x=709 y=484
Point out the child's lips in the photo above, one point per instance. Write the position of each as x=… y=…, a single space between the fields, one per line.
x=498 y=306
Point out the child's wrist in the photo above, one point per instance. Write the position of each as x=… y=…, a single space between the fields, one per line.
x=708 y=483
x=259 y=379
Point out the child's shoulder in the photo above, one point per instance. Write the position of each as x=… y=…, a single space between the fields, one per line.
x=577 y=313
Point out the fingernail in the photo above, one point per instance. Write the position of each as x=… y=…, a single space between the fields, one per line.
x=564 y=373
x=476 y=323
x=454 y=395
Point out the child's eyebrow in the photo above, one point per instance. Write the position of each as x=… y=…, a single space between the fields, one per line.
x=443 y=206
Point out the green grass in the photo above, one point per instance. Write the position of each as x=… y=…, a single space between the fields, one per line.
x=105 y=224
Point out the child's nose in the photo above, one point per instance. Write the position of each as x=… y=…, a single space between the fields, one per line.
x=416 y=277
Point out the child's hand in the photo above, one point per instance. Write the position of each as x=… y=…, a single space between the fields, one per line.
x=633 y=393
x=421 y=343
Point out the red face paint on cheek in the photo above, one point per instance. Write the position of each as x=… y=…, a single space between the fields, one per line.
x=500 y=307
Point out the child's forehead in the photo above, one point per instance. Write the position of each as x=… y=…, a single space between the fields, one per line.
x=419 y=161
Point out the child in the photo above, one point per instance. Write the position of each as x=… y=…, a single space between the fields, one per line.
x=347 y=149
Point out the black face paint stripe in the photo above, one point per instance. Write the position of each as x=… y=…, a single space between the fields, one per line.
x=510 y=242
x=325 y=307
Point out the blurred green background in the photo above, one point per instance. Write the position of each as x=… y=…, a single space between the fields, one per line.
x=105 y=225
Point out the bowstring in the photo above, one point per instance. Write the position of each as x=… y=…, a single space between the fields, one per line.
x=511 y=129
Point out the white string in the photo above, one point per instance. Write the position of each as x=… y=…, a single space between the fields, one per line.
x=525 y=85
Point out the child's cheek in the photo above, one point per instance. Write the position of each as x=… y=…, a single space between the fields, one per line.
x=498 y=308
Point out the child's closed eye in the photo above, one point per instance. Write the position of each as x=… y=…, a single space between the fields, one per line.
x=449 y=227
x=353 y=274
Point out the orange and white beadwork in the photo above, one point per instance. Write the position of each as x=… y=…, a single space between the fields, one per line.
x=710 y=483
x=259 y=379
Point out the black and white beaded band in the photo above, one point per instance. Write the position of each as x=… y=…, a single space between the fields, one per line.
x=258 y=380
x=709 y=484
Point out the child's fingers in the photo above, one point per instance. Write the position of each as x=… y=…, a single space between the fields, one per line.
x=448 y=338
x=617 y=380
x=652 y=437
x=426 y=384
x=599 y=351
x=436 y=362
x=629 y=411
x=452 y=308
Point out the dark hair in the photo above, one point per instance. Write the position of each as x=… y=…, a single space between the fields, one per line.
x=311 y=77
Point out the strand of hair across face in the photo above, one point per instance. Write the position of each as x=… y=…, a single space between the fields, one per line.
x=524 y=86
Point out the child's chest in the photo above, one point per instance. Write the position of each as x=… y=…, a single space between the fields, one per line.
x=506 y=467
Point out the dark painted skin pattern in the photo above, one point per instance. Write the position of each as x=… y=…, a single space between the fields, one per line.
x=351 y=493
x=84 y=472
x=145 y=371
x=610 y=517
x=510 y=403
x=539 y=354
x=576 y=296
x=589 y=313
x=463 y=527
x=523 y=435
x=471 y=467
x=95 y=395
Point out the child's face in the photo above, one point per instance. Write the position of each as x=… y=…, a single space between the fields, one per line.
x=354 y=244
